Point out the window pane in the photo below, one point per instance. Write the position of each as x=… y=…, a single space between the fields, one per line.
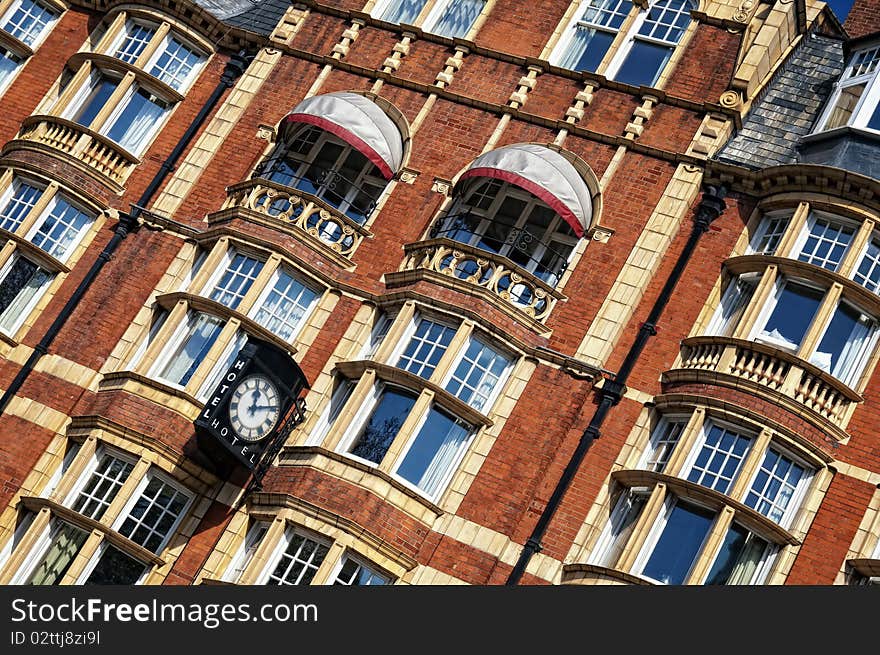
x=733 y=303
x=136 y=39
x=20 y=285
x=769 y=235
x=740 y=556
x=662 y=444
x=28 y=20
x=457 y=18
x=94 y=101
x=587 y=49
x=845 y=106
x=643 y=63
x=425 y=348
x=138 y=120
x=285 y=306
x=868 y=274
x=719 y=459
x=175 y=64
x=61 y=228
x=383 y=425
x=403 y=11
x=236 y=280
x=355 y=573
x=194 y=345
x=774 y=485
x=477 y=374
x=621 y=524
x=108 y=478
x=842 y=351
x=682 y=538
x=299 y=562
x=667 y=20
x=115 y=568
x=154 y=514
x=63 y=548
x=9 y=62
x=24 y=197
x=826 y=244
x=434 y=451
x=792 y=315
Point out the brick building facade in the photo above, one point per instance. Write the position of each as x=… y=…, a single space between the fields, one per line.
x=582 y=292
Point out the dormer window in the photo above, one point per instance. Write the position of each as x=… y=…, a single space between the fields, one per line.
x=856 y=98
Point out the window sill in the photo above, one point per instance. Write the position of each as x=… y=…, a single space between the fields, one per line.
x=867 y=567
x=124 y=544
x=382 y=485
x=585 y=574
x=169 y=300
x=711 y=499
x=355 y=369
x=170 y=397
x=15 y=45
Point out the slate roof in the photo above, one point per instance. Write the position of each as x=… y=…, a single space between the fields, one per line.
x=260 y=16
x=789 y=106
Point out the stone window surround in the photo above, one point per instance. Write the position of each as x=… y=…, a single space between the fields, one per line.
x=55 y=506
x=664 y=486
x=622 y=41
x=868 y=102
x=284 y=514
x=16 y=243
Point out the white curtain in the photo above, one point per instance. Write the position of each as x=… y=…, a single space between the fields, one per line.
x=403 y=11
x=457 y=18
x=194 y=345
x=141 y=125
x=852 y=356
x=445 y=457
x=10 y=317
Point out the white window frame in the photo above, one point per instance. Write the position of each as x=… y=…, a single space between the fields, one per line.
x=769 y=307
x=800 y=491
x=28 y=309
x=561 y=49
x=502 y=378
x=270 y=287
x=196 y=69
x=700 y=442
x=436 y=13
x=807 y=229
x=659 y=429
x=868 y=102
x=632 y=35
x=91 y=467
x=244 y=555
x=43 y=33
x=350 y=555
x=282 y=545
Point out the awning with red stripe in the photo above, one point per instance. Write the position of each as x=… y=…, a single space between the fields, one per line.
x=358 y=121
x=542 y=172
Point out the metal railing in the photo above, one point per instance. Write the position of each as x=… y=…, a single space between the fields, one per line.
x=327 y=184
x=461 y=227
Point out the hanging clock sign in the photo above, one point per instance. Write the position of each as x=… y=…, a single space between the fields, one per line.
x=251 y=403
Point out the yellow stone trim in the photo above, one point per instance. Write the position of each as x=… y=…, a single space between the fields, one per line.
x=713 y=544
x=641 y=266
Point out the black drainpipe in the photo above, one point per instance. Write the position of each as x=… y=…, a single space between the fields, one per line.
x=127 y=223
x=710 y=208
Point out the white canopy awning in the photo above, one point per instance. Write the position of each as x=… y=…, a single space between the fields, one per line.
x=358 y=121
x=542 y=172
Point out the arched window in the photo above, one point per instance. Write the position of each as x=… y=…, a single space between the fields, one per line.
x=340 y=147
x=525 y=202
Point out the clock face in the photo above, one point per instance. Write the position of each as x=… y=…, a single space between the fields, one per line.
x=254 y=407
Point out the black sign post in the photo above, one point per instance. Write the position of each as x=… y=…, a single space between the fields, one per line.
x=257 y=398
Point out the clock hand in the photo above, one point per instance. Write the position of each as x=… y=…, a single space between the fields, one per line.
x=258 y=407
x=255 y=396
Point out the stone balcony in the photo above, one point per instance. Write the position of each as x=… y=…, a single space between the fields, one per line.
x=478 y=272
x=305 y=215
x=99 y=156
x=774 y=374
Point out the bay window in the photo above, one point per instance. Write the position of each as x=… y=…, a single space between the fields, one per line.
x=234 y=291
x=420 y=399
x=45 y=227
x=117 y=516
x=127 y=87
x=789 y=302
x=709 y=502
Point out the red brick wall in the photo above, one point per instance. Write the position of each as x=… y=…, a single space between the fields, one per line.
x=863 y=18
